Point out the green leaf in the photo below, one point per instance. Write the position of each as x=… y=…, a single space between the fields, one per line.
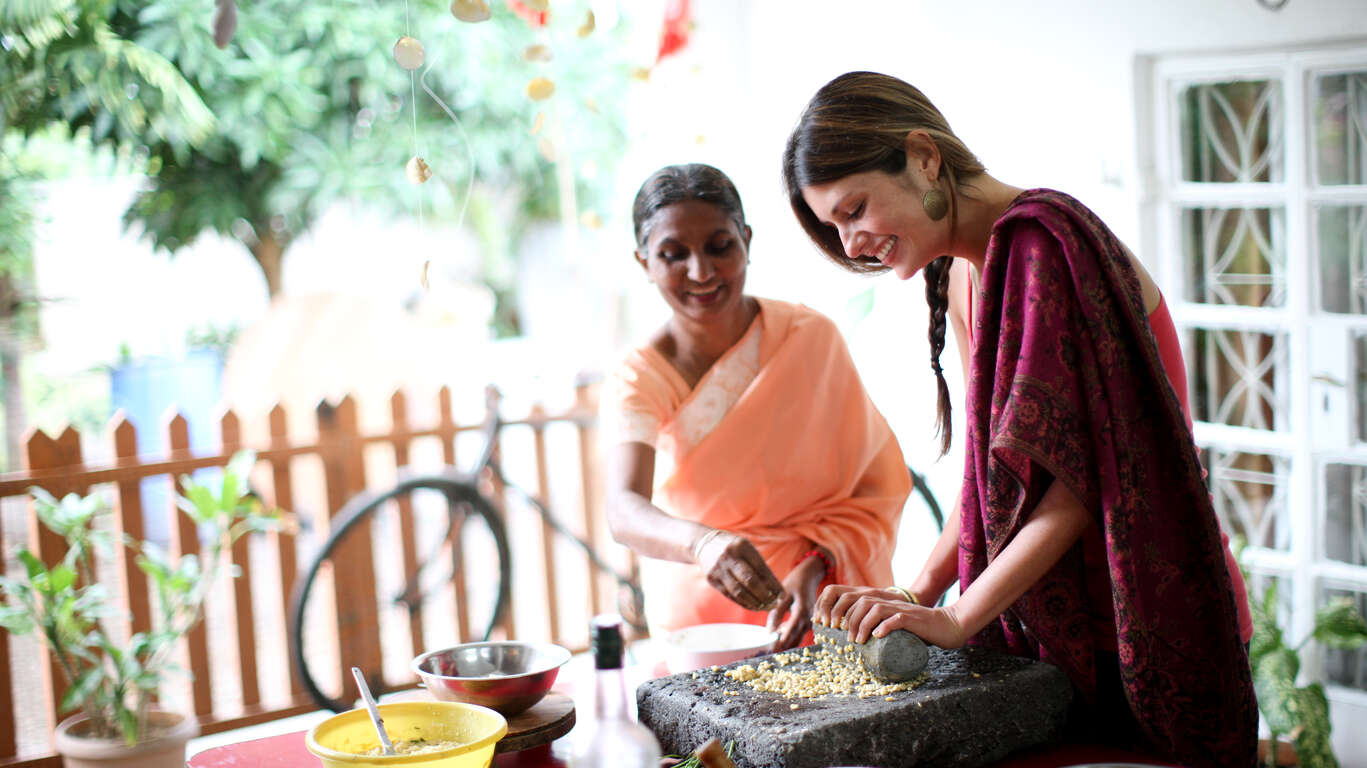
x=32 y=564
x=154 y=568
x=93 y=601
x=62 y=577
x=17 y=621
x=197 y=501
x=81 y=689
x=1312 y=737
x=228 y=495
x=1339 y=625
x=41 y=498
x=240 y=465
x=138 y=644
x=185 y=576
x=1274 y=682
x=1267 y=636
x=128 y=725
x=81 y=650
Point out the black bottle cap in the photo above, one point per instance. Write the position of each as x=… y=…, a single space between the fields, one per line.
x=605 y=641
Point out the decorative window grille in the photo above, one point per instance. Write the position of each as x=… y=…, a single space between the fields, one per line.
x=1256 y=229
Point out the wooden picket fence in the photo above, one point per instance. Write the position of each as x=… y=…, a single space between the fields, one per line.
x=238 y=665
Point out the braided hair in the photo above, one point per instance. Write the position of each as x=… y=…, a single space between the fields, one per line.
x=937 y=296
x=859 y=122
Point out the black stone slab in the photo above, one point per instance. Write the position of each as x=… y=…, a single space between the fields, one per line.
x=976 y=707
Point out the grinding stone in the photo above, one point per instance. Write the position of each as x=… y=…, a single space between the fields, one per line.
x=976 y=706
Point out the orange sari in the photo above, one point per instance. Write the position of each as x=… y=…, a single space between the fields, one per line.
x=800 y=457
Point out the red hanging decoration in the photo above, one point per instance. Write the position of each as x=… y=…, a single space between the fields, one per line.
x=535 y=18
x=678 y=25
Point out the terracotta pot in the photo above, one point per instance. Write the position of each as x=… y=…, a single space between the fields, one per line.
x=1286 y=753
x=165 y=750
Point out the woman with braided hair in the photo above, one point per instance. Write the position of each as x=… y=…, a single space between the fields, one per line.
x=1083 y=534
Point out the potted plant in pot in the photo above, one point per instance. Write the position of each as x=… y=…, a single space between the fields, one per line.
x=110 y=680
x=1297 y=717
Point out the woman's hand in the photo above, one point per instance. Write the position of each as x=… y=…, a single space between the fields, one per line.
x=871 y=612
x=734 y=568
x=798 y=601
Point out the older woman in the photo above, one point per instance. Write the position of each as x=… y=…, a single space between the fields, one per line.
x=776 y=473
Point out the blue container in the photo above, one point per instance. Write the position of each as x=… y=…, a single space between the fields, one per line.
x=148 y=391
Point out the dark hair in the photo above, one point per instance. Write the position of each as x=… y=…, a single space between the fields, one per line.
x=859 y=122
x=679 y=183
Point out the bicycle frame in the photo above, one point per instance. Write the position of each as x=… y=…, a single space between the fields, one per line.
x=487 y=462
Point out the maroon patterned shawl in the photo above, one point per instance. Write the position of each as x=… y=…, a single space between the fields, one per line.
x=1067 y=383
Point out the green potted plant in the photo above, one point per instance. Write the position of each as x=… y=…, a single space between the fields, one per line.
x=112 y=682
x=1298 y=716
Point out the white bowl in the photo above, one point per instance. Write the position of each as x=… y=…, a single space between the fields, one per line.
x=706 y=645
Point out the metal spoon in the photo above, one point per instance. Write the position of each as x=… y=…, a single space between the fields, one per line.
x=374 y=711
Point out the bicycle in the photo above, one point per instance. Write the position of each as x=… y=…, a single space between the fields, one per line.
x=465 y=503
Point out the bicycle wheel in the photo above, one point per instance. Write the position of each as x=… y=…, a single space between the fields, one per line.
x=409 y=546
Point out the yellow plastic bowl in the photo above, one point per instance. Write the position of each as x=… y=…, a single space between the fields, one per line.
x=338 y=740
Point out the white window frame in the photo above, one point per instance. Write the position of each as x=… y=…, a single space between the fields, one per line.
x=1305 y=442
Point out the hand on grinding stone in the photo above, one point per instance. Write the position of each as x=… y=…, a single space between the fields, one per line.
x=870 y=612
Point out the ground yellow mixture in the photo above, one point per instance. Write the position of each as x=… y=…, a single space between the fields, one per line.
x=415 y=747
x=829 y=670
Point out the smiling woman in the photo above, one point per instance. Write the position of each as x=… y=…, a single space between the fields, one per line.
x=1083 y=494
x=746 y=400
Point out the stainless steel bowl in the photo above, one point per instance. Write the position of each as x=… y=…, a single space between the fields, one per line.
x=506 y=676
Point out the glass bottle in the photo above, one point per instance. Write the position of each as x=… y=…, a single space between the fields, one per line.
x=610 y=737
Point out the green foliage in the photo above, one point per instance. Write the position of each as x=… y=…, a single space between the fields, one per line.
x=16 y=229
x=72 y=65
x=1301 y=713
x=314 y=110
x=71 y=61
x=210 y=336
x=1339 y=625
x=113 y=682
x=18 y=199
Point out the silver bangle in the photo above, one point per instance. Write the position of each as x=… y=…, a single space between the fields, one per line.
x=702 y=542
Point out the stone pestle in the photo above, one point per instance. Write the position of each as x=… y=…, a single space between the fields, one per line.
x=897 y=657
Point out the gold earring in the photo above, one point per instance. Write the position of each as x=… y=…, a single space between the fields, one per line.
x=935 y=203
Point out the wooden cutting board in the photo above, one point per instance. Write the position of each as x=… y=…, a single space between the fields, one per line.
x=546 y=721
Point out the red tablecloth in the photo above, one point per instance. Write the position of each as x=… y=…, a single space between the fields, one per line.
x=287 y=751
